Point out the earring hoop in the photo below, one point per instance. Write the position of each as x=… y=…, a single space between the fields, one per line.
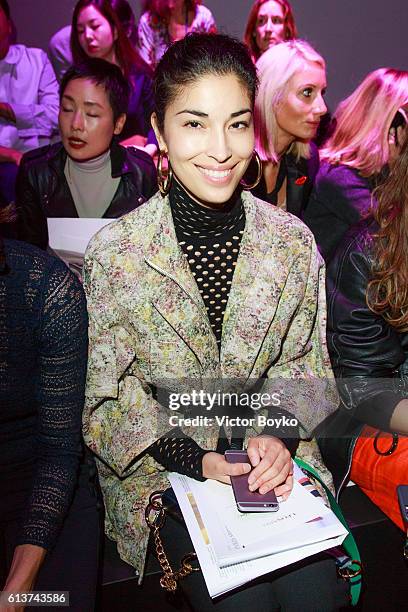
x=259 y=175
x=164 y=180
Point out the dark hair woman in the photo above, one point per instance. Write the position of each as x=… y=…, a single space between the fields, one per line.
x=368 y=342
x=49 y=523
x=165 y=21
x=269 y=22
x=87 y=174
x=177 y=290
x=97 y=32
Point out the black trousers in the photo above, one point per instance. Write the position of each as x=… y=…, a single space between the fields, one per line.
x=311 y=585
x=72 y=565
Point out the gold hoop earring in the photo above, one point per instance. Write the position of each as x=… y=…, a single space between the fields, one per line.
x=259 y=175
x=164 y=181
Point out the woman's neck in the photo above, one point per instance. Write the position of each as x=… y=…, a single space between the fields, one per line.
x=283 y=142
x=178 y=13
x=206 y=205
x=94 y=164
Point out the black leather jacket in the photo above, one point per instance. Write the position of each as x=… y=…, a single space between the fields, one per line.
x=369 y=357
x=42 y=190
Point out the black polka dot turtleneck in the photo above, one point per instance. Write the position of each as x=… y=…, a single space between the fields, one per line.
x=210 y=240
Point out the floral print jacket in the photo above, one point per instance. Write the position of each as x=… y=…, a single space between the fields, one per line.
x=148 y=324
x=154 y=38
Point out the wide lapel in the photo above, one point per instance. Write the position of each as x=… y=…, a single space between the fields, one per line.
x=254 y=295
x=175 y=294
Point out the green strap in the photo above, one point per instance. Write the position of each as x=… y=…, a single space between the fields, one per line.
x=349 y=544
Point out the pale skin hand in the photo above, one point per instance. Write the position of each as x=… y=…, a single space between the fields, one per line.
x=271 y=460
x=27 y=560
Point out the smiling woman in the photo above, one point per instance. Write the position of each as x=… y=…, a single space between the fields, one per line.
x=203 y=282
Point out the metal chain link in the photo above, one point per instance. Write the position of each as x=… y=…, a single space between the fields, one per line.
x=169 y=580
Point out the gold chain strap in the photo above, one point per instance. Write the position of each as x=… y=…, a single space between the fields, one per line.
x=155 y=516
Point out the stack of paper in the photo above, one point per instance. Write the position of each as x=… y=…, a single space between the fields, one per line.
x=234 y=548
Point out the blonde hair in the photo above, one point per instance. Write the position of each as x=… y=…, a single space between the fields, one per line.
x=275 y=68
x=363 y=122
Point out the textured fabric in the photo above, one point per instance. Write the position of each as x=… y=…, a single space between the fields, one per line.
x=210 y=240
x=72 y=564
x=154 y=38
x=43 y=351
x=91 y=185
x=149 y=328
x=28 y=84
x=179 y=454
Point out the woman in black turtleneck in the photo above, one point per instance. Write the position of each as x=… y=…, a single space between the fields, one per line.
x=208 y=284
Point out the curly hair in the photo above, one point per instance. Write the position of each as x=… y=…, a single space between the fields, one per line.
x=387 y=291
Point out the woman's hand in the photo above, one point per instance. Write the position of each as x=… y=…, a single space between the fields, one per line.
x=217 y=468
x=27 y=560
x=273 y=467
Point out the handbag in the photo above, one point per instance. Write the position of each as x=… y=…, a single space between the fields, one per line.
x=349 y=566
x=164 y=503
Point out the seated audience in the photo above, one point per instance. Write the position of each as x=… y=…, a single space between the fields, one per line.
x=288 y=108
x=28 y=103
x=87 y=174
x=158 y=315
x=59 y=49
x=269 y=22
x=49 y=519
x=364 y=144
x=98 y=32
x=368 y=343
x=165 y=21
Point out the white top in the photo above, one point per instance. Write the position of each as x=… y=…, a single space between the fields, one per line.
x=28 y=84
x=154 y=38
x=59 y=51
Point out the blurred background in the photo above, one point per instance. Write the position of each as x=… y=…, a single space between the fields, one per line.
x=354 y=36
